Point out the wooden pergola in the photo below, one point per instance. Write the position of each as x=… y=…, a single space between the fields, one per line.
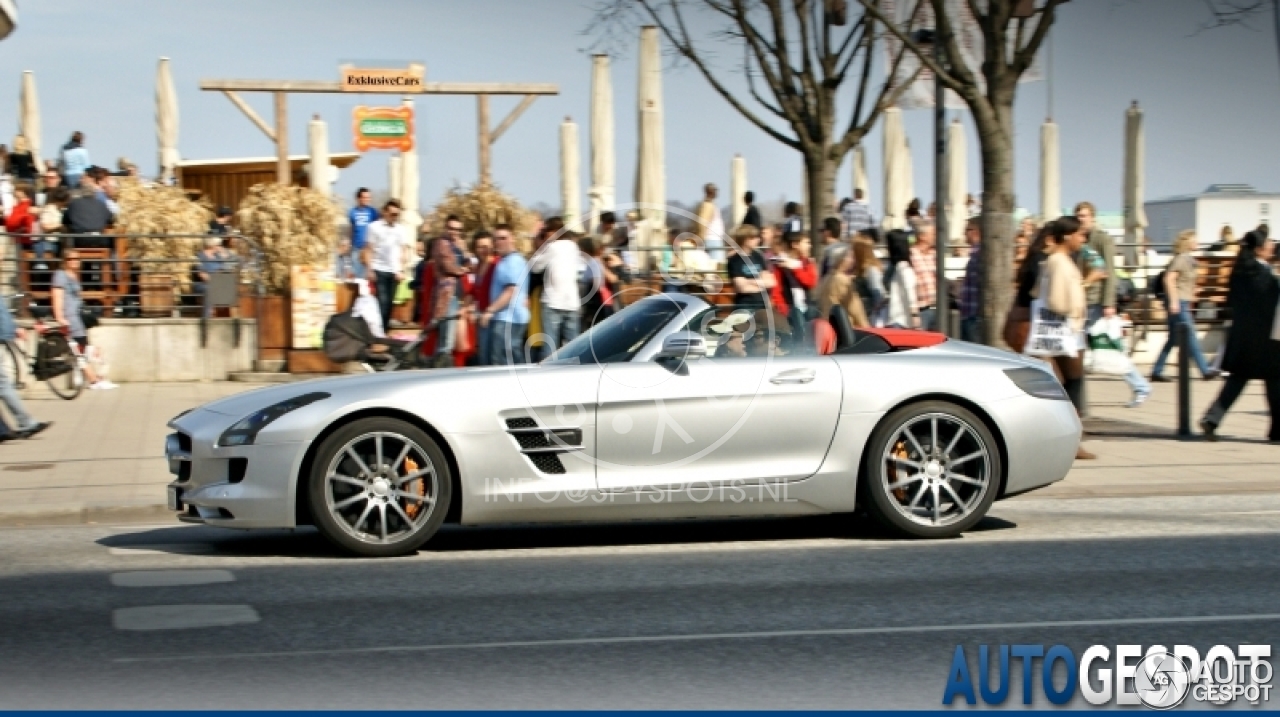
x=280 y=89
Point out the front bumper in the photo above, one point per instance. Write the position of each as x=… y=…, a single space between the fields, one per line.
x=234 y=487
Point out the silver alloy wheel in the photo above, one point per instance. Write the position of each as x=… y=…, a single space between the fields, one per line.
x=937 y=469
x=381 y=487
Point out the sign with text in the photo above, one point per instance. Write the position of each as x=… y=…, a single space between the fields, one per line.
x=355 y=79
x=382 y=128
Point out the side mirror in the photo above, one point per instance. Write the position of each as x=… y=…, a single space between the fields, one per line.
x=683 y=346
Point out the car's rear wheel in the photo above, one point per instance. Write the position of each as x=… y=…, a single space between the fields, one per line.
x=932 y=470
x=379 y=487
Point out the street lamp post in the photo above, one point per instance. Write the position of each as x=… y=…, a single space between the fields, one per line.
x=940 y=189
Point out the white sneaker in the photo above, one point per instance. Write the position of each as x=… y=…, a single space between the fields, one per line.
x=1138 y=399
x=103 y=385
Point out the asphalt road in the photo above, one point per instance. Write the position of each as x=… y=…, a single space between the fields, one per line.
x=806 y=613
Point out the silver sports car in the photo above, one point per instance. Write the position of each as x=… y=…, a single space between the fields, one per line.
x=671 y=408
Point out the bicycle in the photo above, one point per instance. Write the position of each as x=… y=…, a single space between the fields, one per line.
x=61 y=367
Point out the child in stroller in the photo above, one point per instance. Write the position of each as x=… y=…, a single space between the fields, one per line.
x=348 y=338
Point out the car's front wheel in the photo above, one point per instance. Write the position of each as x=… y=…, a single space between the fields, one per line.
x=379 y=487
x=932 y=470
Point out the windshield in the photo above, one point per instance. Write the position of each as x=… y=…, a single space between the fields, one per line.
x=619 y=337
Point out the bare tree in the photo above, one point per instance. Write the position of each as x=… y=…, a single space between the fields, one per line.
x=1012 y=32
x=796 y=57
x=1225 y=13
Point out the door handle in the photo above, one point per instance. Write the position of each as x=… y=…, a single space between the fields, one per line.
x=803 y=375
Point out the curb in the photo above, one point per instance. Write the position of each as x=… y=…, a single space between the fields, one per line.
x=90 y=515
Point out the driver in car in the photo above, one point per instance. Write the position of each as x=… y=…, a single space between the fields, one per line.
x=772 y=335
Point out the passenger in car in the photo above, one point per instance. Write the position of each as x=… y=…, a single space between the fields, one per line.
x=771 y=336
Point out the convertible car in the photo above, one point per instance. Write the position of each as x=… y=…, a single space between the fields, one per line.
x=671 y=408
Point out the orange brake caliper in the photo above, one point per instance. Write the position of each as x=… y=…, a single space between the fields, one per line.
x=411 y=508
x=899 y=451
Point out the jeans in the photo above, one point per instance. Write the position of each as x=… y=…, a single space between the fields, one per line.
x=385 y=285
x=506 y=343
x=9 y=397
x=447 y=331
x=45 y=248
x=971 y=329
x=201 y=290
x=482 y=345
x=929 y=319
x=1136 y=382
x=1184 y=317
x=560 y=326
x=1231 y=390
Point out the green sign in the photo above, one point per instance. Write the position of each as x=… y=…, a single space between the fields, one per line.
x=384 y=127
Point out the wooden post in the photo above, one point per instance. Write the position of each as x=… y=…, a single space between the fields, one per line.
x=283 y=171
x=482 y=111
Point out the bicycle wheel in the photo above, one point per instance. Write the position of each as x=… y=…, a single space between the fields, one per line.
x=11 y=364
x=69 y=384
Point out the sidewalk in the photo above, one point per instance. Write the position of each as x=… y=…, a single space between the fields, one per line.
x=102 y=461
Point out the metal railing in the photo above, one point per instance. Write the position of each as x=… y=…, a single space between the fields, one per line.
x=122 y=278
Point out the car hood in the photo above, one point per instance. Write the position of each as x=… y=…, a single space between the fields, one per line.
x=242 y=404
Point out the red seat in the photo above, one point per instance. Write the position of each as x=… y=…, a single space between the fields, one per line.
x=900 y=339
x=824 y=336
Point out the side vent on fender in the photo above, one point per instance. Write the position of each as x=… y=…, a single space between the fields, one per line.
x=542 y=445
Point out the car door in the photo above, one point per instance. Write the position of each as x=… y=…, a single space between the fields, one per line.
x=714 y=421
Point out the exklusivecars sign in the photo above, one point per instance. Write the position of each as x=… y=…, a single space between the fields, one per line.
x=382 y=128
x=355 y=79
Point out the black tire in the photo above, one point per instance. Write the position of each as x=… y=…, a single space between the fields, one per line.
x=67 y=386
x=12 y=364
x=912 y=510
x=369 y=498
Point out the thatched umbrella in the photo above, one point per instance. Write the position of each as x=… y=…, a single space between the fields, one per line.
x=1135 y=215
x=1050 y=172
x=409 y=186
x=395 y=178
x=651 y=189
x=320 y=170
x=957 y=183
x=570 y=176
x=166 y=121
x=29 y=116
x=897 y=167
x=603 y=161
x=738 y=187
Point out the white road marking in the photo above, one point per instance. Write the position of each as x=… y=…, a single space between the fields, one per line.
x=834 y=632
x=1251 y=512
x=182 y=617
x=165 y=549
x=170 y=578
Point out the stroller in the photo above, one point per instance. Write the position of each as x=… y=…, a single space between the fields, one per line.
x=348 y=338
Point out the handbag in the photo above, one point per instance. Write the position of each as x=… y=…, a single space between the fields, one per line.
x=88 y=317
x=1051 y=334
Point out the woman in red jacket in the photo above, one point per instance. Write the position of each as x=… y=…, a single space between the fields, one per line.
x=21 y=220
x=796 y=276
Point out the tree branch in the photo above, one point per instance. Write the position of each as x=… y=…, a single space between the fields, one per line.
x=926 y=58
x=1024 y=56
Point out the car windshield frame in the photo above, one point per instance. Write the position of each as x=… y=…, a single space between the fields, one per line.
x=619 y=338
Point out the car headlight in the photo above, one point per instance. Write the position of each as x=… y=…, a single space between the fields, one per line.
x=1035 y=382
x=245 y=431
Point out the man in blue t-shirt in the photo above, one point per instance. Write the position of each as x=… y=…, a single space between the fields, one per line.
x=507 y=317
x=361 y=216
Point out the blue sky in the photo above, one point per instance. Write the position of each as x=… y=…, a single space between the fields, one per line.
x=1211 y=98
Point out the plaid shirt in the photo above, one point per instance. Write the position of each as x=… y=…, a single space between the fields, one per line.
x=926 y=268
x=857 y=217
x=969 y=288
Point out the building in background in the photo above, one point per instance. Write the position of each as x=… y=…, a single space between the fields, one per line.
x=226 y=182
x=1238 y=206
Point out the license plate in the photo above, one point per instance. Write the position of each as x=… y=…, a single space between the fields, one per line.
x=175 y=498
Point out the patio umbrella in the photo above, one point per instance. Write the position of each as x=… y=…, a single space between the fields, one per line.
x=1135 y=216
x=738 y=187
x=570 y=171
x=896 y=166
x=166 y=121
x=29 y=116
x=320 y=171
x=651 y=189
x=1050 y=172
x=860 y=172
x=957 y=183
x=603 y=161
x=409 y=183
x=395 y=178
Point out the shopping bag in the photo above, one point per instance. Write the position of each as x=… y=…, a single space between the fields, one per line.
x=1051 y=334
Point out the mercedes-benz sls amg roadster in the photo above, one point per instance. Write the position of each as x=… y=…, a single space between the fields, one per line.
x=670 y=408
